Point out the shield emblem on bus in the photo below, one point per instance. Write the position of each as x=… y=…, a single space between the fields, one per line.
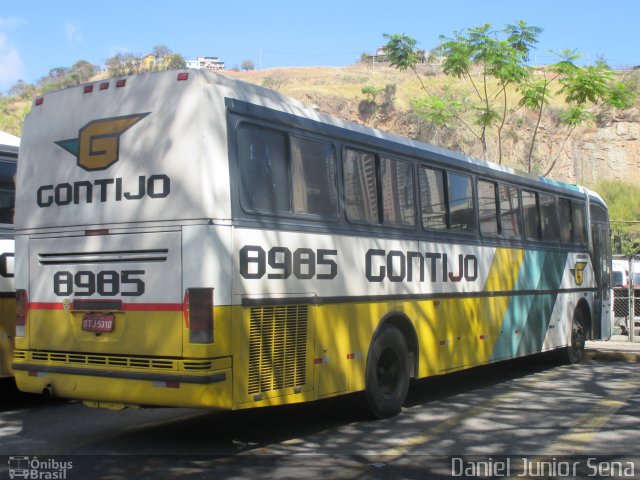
x=578 y=272
x=98 y=144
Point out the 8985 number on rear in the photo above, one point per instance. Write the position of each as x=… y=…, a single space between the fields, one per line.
x=107 y=283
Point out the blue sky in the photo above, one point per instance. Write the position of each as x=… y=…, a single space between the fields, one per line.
x=36 y=36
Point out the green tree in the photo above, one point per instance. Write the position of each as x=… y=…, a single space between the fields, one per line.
x=580 y=87
x=82 y=71
x=494 y=62
x=247 y=65
x=23 y=90
x=176 y=61
x=623 y=200
x=124 y=64
x=488 y=65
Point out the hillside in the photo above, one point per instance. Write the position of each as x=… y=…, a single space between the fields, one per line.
x=606 y=149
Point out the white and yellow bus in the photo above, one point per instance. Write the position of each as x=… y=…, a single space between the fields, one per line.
x=8 y=159
x=185 y=239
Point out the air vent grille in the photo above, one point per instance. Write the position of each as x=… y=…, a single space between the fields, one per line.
x=277 y=347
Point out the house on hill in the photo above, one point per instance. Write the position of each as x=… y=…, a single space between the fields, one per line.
x=213 y=64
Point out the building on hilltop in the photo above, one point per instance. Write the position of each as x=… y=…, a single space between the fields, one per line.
x=213 y=64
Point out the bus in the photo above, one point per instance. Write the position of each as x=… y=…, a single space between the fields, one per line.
x=187 y=239
x=9 y=145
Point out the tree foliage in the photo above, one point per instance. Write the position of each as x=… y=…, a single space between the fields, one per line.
x=247 y=65
x=13 y=108
x=623 y=200
x=493 y=63
x=161 y=58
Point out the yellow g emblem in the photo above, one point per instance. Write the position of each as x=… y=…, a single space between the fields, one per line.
x=98 y=143
x=578 y=272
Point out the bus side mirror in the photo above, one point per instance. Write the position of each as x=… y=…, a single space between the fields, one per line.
x=617 y=244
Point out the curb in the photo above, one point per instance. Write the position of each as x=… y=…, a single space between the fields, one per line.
x=611 y=355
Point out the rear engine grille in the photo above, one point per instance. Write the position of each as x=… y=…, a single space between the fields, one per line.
x=102 y=360
x=277 y=347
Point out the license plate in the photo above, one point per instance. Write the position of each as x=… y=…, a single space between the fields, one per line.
x=98 y=322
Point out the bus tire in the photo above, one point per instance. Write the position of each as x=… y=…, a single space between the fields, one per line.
x=573 y=353
x=387 y=373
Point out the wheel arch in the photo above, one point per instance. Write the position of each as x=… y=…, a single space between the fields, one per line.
x=585 y=309
x=404 y=324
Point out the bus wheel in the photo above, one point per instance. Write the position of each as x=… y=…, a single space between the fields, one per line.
x=387 y=375
x=573 y=353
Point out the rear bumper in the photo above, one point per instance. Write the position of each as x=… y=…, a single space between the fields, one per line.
x=211 y=388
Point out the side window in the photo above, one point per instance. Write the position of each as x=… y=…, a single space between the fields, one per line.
x=579 y=223
x=313 y=172
x=398 y=203
x=531 y=215
x=461 y=213
x=598 y=214
x=360 y=186
x=264 y=172
x=548 y=217
x=432 y=198
x=566 y=225
x=487 y=208
x=573 y=228
x=509 y=211
x=284 y=174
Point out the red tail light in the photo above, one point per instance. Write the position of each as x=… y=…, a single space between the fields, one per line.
x=22 y=309
x=199 y=314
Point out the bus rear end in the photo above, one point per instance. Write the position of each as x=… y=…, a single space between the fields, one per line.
x=116 y=194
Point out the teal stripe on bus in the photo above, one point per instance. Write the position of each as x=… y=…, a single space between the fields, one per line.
x=539 y=316
x=515 y=318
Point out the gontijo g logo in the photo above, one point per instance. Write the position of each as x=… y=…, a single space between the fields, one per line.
x=97 y=148
x=98 y=143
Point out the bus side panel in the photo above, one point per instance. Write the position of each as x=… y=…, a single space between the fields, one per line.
x=333 y=353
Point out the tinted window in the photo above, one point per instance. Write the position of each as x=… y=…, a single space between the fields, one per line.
x=360 y=186
x=434 y=212
x=264 y=169
x=313 y=171
x=487 y=208
x=598 y=213
x=566 y=227
x=461 y=202
x=509 y=210
x=548 y=217
x=572 y=221
x=397 y=192
x=531 y=215
x=579 y=222
x=286 y=174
